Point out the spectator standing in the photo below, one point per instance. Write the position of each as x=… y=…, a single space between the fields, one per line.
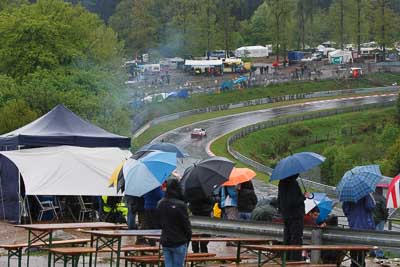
x=229 y=202
x=380 y=212
x=359 y=216
x=247 y=200
x=150 y=212
x=135 y=205
x=291 y=206
x=201 y=207
x=175 y=225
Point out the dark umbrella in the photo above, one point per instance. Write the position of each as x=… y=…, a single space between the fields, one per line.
x=201 y=179
x=166 y=147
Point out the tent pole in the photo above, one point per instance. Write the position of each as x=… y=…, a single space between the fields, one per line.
x=19 y=190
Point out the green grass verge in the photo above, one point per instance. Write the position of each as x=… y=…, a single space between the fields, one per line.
x=269 y=145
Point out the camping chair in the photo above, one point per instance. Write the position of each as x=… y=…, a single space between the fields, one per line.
x=24 y=209
x=45 y=206
x=86 y=208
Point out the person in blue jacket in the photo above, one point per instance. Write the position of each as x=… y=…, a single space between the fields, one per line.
x=229 y=202
x=150 y=209
x=360 y=216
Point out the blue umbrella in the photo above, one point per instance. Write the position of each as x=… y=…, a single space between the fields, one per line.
x=148 y=172
x=166 y=147
x=325 y=207
x=358 y=182
x=296 y=163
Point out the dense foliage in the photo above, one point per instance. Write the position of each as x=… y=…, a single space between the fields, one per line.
x=347 y=140
x=52 y=52
x=181 y=27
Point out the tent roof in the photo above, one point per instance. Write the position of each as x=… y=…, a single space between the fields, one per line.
x=255 y=47
x=203 y=63
x=67 y=170
x=60 y=126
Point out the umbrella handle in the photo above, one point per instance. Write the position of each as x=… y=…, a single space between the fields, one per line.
x=311 y=195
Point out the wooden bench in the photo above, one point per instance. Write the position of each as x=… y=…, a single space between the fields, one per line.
x=16 y=249
x=273 y=251
x=73 y=253
x=190 y=257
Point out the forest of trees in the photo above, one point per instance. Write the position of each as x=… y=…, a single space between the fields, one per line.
x=181 y=27
x=52 y=52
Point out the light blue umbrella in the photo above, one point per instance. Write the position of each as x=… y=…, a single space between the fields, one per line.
x=296 y=163
x=166 y=147
x=325 y=207
x=148 y=172
x=358 y=182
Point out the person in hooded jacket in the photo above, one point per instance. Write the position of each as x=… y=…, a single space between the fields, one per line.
x=201 y=207
x=247 y=200
x=291 y=207
x=175 y=226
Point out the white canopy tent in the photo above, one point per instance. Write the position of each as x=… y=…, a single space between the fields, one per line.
x=252 y=51
x=67 y=170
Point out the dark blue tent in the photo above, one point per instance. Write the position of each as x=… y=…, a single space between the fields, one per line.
x=60 y=126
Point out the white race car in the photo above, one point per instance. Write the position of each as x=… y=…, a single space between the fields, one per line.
x=198 y=133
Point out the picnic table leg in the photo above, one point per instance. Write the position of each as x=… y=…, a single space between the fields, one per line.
x=97 y=249
x=65 y=260
x=49 y=245
x=29 y=247
x=112 y=252
x=118 y=250
x=283 y=263
x=238 y=252
x=363 y=258
x=91 y=254
x=259 y=258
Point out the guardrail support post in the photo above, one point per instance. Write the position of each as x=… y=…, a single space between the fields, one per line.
x=316 y=239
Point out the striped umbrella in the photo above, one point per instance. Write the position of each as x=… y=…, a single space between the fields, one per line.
x=393 y=194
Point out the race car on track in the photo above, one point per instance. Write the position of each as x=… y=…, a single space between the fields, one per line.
x=198 y=133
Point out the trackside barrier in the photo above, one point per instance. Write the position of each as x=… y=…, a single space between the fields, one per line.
x=140 y=124
x=384 y=239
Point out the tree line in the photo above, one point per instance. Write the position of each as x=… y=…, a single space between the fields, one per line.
x=182 y=27
x=53 y=52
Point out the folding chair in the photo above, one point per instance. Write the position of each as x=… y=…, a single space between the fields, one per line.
x=24 y=210
x=46 y=206
x=86 y=208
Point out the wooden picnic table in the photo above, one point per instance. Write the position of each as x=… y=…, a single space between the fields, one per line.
x=44 y=232
x=108 y=239
x=275 y=250
x=238 y=240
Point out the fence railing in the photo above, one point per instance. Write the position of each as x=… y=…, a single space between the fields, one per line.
x=140 y=124
x=330 y=190
x=383 y=239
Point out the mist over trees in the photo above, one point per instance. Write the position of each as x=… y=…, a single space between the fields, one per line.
x=180 y=27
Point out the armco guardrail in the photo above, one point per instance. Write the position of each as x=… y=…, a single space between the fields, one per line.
x=330 y=190
x=384 y=239
x=140 y=125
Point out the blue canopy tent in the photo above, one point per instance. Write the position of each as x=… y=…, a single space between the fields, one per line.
x=60 y=126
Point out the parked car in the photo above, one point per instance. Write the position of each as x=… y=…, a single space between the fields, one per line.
x=198 y=133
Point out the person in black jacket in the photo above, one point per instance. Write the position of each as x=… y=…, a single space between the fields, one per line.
x=247 y=200
x=291 y=206
x=175 y=225
x=201 y=207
